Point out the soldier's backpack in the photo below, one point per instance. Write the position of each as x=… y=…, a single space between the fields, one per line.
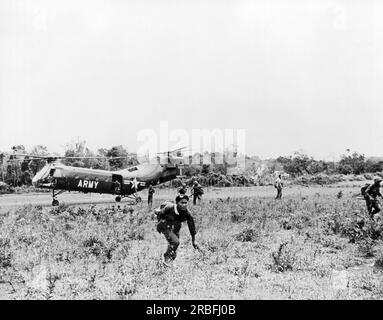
x=162 y=223
x=199 y=190
x=364 y=188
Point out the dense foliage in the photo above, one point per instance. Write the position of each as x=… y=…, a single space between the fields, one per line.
x=300 y=167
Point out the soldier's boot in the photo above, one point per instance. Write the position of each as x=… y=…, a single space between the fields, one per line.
x=169 y=257
x=171 y=252
x=375 y=208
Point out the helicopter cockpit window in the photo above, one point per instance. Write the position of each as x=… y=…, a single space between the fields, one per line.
x=58 y=173
x=133 y=169
x=50 y=178
x=42 y=174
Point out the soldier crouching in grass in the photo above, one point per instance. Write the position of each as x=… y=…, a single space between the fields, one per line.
x=170 y=217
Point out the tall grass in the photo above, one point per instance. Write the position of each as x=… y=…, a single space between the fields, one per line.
x=251 y=248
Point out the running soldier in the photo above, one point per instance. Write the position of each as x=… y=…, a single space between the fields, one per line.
x=170 y=217
x=197 y=192
x=371 y=193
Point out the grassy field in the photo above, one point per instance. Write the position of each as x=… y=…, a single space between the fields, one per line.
x=313 y=246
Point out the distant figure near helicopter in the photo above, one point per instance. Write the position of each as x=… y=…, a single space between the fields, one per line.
x=278 y=184
x=197 y=192
x=151 y=191
x=183 y=189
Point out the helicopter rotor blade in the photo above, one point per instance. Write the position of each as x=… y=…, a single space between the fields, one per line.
x=109 y=158
x=171 y=151
x=29 y=157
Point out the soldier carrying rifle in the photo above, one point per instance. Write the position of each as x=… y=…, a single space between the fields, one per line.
x=370 y=193
x=197 y=192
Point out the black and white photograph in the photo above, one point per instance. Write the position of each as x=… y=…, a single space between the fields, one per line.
x=214 y=151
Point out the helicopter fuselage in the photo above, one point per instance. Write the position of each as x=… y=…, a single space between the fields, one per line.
x=122 y=182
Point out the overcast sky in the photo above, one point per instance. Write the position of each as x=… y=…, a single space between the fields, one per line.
x=296 y=75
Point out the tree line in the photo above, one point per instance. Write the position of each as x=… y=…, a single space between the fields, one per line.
x=350 y=163
x=20 y=173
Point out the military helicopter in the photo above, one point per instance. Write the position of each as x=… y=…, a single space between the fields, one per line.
x=124 y=183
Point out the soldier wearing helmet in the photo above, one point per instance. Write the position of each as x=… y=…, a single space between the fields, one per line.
x=170 y=217
x=183 y=189
x=197 y=192
x=371 y=196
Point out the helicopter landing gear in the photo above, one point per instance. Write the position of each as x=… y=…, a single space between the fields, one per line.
x=55 y=202
x=138 y=199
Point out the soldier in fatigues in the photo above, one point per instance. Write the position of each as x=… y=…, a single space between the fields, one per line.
x=170 y=218
x=197 y=192
x=371 y=194
x=150 y=196
x=278 y=184
x=117 y=186
x=183 y=189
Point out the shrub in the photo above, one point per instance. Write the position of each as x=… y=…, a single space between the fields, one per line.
x=248 y=235
x=4 y=188
x=379 y=258
x=94 y=245
x=366 y=247
x=136 y=233
x=5 y=253
x=283 y=258
x=238 y=216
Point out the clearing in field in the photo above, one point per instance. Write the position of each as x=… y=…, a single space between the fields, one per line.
x=314 y=246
